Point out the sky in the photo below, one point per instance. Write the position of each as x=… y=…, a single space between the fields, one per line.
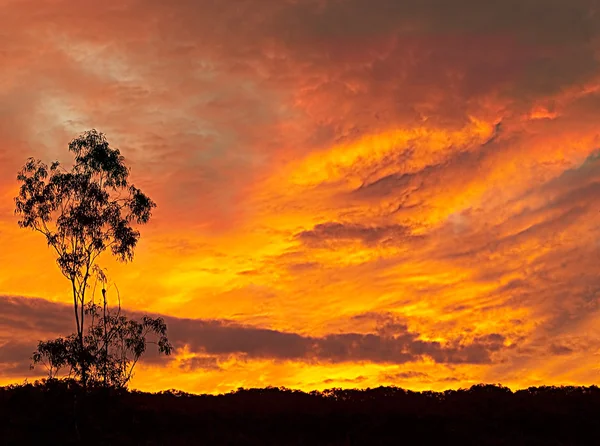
x=351 y=193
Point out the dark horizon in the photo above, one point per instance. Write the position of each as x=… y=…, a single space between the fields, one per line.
x=481 y=415
x=350 y=193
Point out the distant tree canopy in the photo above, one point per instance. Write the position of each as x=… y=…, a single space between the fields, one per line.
x=483 y=415
x=82 y=212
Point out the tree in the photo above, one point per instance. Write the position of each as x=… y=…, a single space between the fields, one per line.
x=82 y=212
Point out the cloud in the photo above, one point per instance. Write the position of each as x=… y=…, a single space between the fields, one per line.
x=560 y=349
x=324 y=233
x=407 y=375
x=212 y=339
x=206 y=363
x=379 y=182
x=356 y=380
x=15 y=358
x=33 y=316
x=222 y=338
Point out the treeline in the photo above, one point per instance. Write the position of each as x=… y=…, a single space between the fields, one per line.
x=59 y=412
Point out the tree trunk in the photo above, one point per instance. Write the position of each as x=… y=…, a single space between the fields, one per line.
x=79 y=326
x=105 y=359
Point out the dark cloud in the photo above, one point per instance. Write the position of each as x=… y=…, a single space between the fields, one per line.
x=324 y=234
x=200 y=363
x=33 y=316
x=407 y=375
x=538 y=20
x=556 y=349
x=356 y=380
x=384 y=324
x=221 y=338
x=420 y=376
x=303 y=267
x=211 y=339
x=524 y=49
x=15 y=357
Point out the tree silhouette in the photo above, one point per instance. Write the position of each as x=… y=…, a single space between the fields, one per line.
x=83 y=212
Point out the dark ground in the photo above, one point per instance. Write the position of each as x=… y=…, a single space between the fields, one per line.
x=44 y=414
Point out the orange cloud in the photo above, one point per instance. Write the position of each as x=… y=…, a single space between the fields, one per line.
x=351 y=193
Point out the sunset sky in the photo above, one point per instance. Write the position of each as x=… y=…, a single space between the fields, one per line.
x=351 y=193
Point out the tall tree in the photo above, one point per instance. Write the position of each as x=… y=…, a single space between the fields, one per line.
x=82 y=212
